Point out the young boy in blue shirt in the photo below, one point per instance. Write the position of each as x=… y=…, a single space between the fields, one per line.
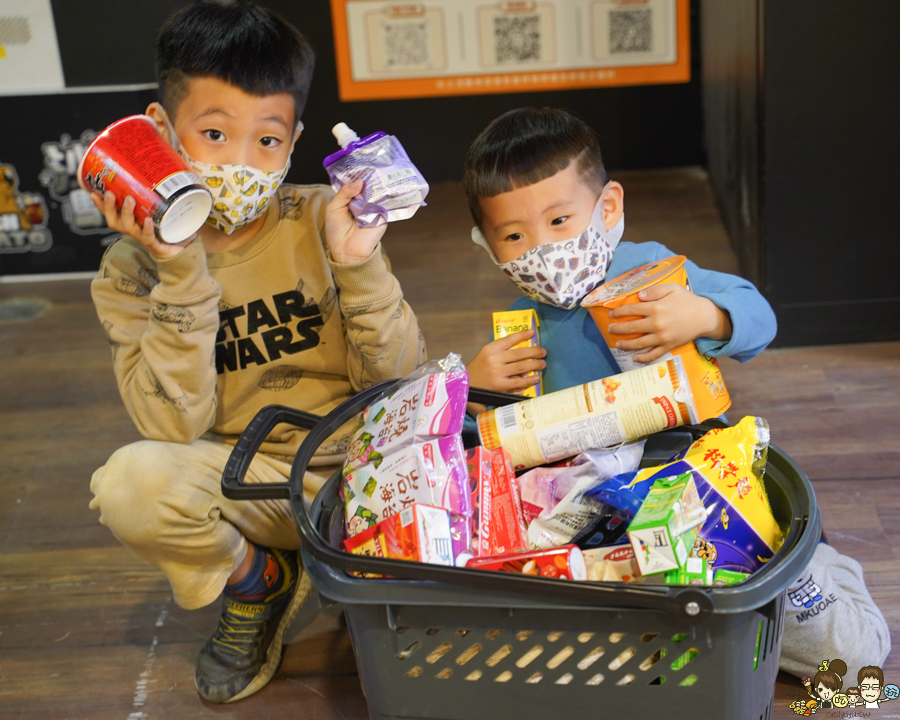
x=536 y=185
x=535 y=182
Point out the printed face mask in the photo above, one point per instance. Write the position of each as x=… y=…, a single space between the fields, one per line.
x=240 y=193
x=562 y=273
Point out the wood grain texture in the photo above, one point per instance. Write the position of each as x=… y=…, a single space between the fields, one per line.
x=88 y=630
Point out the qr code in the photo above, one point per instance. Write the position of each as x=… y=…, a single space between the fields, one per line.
x=517 y=38
x=406 y=44
x=631 y=31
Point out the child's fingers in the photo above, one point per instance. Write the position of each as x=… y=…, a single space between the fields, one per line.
x=346 y=193
x=658 y=292
x=148 y=233
x=526 y=353
x=518 y=383
x=648 y=357
x=525 y=366
x=644 y=342
x=631 y=327
x=508 y=341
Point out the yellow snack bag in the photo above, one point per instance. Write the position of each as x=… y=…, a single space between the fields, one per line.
x=513 y=321
x=740 y=532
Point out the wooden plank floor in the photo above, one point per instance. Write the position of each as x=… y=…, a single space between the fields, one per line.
x=87 y=630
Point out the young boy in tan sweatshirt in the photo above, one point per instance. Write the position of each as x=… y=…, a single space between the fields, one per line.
x=288 y=302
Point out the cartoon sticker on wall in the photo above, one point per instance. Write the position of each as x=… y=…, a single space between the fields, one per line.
x=23 y=216
x=59 y=176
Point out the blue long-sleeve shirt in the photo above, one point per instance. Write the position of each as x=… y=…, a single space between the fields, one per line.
x=577 y=352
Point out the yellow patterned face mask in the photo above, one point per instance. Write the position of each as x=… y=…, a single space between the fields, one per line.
x=241 y=193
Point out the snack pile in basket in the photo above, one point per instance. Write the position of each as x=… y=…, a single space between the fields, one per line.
x=412 y=491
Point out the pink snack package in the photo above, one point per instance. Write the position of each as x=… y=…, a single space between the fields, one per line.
x=393 y=188
x=496 y=503
x=432 y=473
x=429 y=403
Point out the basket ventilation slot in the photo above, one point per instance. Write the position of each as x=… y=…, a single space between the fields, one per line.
x=568 y=659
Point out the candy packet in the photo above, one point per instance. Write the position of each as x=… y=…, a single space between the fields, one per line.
x=431 y=473
x=727 y=464
x=568 y=511
x=393 y=188
x=427 y=404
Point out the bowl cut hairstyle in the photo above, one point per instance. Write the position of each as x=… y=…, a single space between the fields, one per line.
x=525 y=146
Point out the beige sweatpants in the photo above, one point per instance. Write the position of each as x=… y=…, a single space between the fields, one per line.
x=164 y=501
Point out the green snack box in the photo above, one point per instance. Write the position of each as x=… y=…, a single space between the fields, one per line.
x=728 y=577
x=659 y=531
x=696 y=571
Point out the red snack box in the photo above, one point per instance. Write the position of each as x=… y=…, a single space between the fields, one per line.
x=418 y=532
x=499 y=523
x=565 y=562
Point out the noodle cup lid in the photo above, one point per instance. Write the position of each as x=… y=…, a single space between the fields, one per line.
x=185 y=215
x=634 y=281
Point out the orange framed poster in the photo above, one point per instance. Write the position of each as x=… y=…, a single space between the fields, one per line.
x=430 y=48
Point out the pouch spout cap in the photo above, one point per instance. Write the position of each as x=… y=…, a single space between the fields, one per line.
x=343 y=134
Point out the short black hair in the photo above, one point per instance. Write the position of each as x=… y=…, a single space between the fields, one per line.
x=525 y=146
x=240 y=43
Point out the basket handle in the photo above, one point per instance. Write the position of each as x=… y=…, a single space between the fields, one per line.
x=233 y=485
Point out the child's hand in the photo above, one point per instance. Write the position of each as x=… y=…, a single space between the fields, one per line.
x=124 y=222
x=498 y=366
x=670 y=316
x=348 y=242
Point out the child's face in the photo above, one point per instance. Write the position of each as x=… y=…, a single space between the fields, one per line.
x=219 y=124
x=554 y=209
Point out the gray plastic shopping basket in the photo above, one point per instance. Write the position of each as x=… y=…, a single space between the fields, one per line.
x=448 y=643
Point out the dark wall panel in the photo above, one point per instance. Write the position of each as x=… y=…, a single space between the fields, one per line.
x=640 y=127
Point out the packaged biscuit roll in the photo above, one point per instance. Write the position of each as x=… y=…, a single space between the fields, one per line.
x=710 y=394
x=513 y=321
x=565 y=563
x=598 y=414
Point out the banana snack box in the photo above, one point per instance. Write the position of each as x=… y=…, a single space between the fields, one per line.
x=513 y=321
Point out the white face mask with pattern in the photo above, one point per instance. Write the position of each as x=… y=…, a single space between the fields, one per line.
x=241 y=193
x=562 y=273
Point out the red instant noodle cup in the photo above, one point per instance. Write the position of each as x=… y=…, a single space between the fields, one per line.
x=130 y=157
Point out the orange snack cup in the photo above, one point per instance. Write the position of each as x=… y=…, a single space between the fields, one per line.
x=708 y=387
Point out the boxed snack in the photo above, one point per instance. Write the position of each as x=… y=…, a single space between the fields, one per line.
x=710 y=394
x=419 y=532
x=615 y=563
x=728 y=577
x=598 y=414
x=513 y=321
x=431 y=473
x=696 y=571
x=430 y=403
x=497 y=505
x=566 y=563
x=659 y=531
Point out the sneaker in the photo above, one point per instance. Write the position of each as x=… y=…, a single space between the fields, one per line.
x=245 y=650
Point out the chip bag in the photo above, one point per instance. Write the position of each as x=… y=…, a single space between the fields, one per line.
x=727 y=464
x=427 y=404
x=430 y=473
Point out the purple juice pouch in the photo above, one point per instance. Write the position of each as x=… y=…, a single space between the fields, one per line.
x=393 y=188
